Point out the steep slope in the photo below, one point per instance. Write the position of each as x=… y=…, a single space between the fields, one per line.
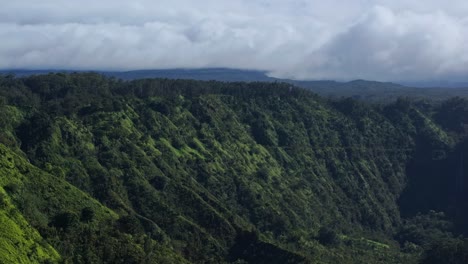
x=212 y=172
x=20 y=242
x=66 y=218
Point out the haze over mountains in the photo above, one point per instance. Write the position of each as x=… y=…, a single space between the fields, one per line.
x=224 y=74
x=298 y=39
x=358 y=89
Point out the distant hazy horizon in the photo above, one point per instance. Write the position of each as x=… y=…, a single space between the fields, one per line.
x=230 y=74
x=339 y=40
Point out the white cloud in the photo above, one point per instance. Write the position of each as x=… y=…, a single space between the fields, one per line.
x=335 y=39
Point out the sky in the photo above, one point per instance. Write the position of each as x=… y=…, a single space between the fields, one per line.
x=385 y=40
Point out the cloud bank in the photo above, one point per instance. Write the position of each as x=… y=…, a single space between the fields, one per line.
x=335 y=39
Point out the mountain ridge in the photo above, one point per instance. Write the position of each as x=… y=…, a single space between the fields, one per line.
x=221 y=172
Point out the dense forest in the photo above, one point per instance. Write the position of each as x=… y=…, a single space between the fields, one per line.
x=95 y=169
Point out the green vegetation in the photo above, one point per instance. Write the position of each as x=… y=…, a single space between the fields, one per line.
x=99 y=170
x=20 y=243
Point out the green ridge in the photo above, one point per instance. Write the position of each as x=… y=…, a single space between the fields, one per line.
x=164 y=171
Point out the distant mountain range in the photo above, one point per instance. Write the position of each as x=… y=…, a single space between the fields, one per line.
x=358 y=89
x=218 y=74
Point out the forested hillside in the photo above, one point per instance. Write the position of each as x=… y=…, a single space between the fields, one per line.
x=99 y=170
